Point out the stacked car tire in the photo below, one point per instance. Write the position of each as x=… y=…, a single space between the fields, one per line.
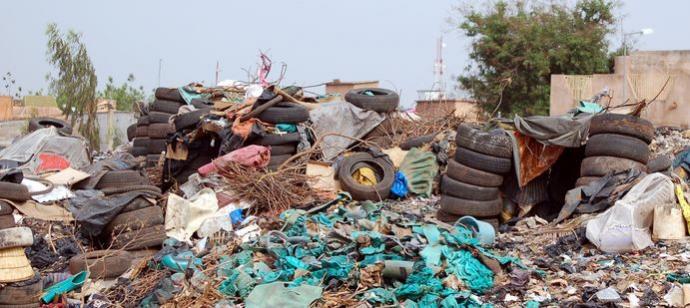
x=470 y=186
x=283 y=146
x=149 y=134
x=616 y=143
x=140 y=223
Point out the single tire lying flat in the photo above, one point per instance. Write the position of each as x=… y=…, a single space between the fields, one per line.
x=165 y=106
x=459 y=189
x=383 y=169
x=479 y=209
x=275 y=139
x=135 y=220
x=601 y=165
x=285 y=112
x=493 y=143
x=611 y=123
x=159 y=117
x=476 y=160
x=470 y=175
x=382 y=100
x=618 y=146
x=190 y=119
x=171 y=94
x=160 y=130
x=44 y=122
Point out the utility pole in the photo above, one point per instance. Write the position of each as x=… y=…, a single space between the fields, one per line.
x=160 y=65
x=217 y=71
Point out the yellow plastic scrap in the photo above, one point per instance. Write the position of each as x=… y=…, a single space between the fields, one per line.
x=365 y=176
x=685 y=207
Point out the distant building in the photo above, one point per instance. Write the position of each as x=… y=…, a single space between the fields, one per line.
x=461 y=108
x=337 y=87
x=638 y=76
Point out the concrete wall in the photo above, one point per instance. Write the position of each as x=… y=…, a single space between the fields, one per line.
x=468 y=110
x=342 y=88
x=119 y=123
x=647 y=72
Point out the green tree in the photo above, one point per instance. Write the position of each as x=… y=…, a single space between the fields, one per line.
x=125 y=95
x=517 y=46
x=75 y=82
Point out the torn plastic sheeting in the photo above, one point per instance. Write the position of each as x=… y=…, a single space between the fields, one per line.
x=420 y=168
x=93 y=210
x=59 y=192
x=399 y=188
x=220 y=220
x=46 y=140
x=535 y=157
x=625 y=226
x=184 y=217
x=343 y=119
x=566 y=131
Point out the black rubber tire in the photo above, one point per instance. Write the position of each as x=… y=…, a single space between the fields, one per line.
x=160 y=130
x=201 y=103
x=141 y=142
x=22 y=294
x=118 y=178
x=131 y=132
x=156 y=146
x=14 y=192
x=384 y=100
x=136 y=204
x=170 y=94
x=139 y=151
x=101 y=263
x=476 y=160
x=493 y=143
x=660 y=163
x=611 y=123
x=138 y=239
x=5 y=208
x=171 y=107
x=416 y=142
x=601 y=165
x=44 y=122
x=478 y=209
x=141 y=131
x=283 y=149
x=190 y=119
x=159 y=117
x=135 y=220
x=144 y=120
x=619 y=146
x=274 y=139
x=7 y=221
x=462 y=190
x=285 y=112
x=470 y=175
x=383 y=169
x=585 y=180
x=277 y=160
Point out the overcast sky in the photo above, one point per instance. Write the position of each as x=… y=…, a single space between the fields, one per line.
x=388 y=40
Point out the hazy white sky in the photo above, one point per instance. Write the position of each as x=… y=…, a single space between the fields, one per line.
x=388 y=40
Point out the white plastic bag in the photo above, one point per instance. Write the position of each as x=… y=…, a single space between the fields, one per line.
x=626 y=225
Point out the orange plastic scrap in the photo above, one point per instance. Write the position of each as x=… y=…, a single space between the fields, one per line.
x=535 y=158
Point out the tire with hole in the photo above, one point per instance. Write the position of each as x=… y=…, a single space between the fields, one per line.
x=156 y=146
x=601 y=165
x=118 y=178
x=618 y=146
x=285 y=112
x=159 y=117
x=416 y=142
x=190 y=119
x=384 y=170
x=131 y=132
x=275 y=139
x=24 y=293
x=135 y=220
x=476 y=160
x=14 y=192
x=493 y=143
x=139 y=239
x=623 y=124
x=382 y=100
x=170 y=94
x=459 y=189
x=101 y=264
x=478 y=209
x=470 y=175
x=165 y=106
x=160 y=130
x=44 y=122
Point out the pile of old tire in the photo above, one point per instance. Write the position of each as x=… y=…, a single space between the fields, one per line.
x=383 y=170
x=617 y=142
x=282 y=145
x=149 y=134
x=376 y=99
x=22 y=286
x=470 y=186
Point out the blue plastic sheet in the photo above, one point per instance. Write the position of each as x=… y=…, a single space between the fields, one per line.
x=399 y=188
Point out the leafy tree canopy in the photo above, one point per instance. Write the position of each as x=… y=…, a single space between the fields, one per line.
x=517 y=46
x=126 y=95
